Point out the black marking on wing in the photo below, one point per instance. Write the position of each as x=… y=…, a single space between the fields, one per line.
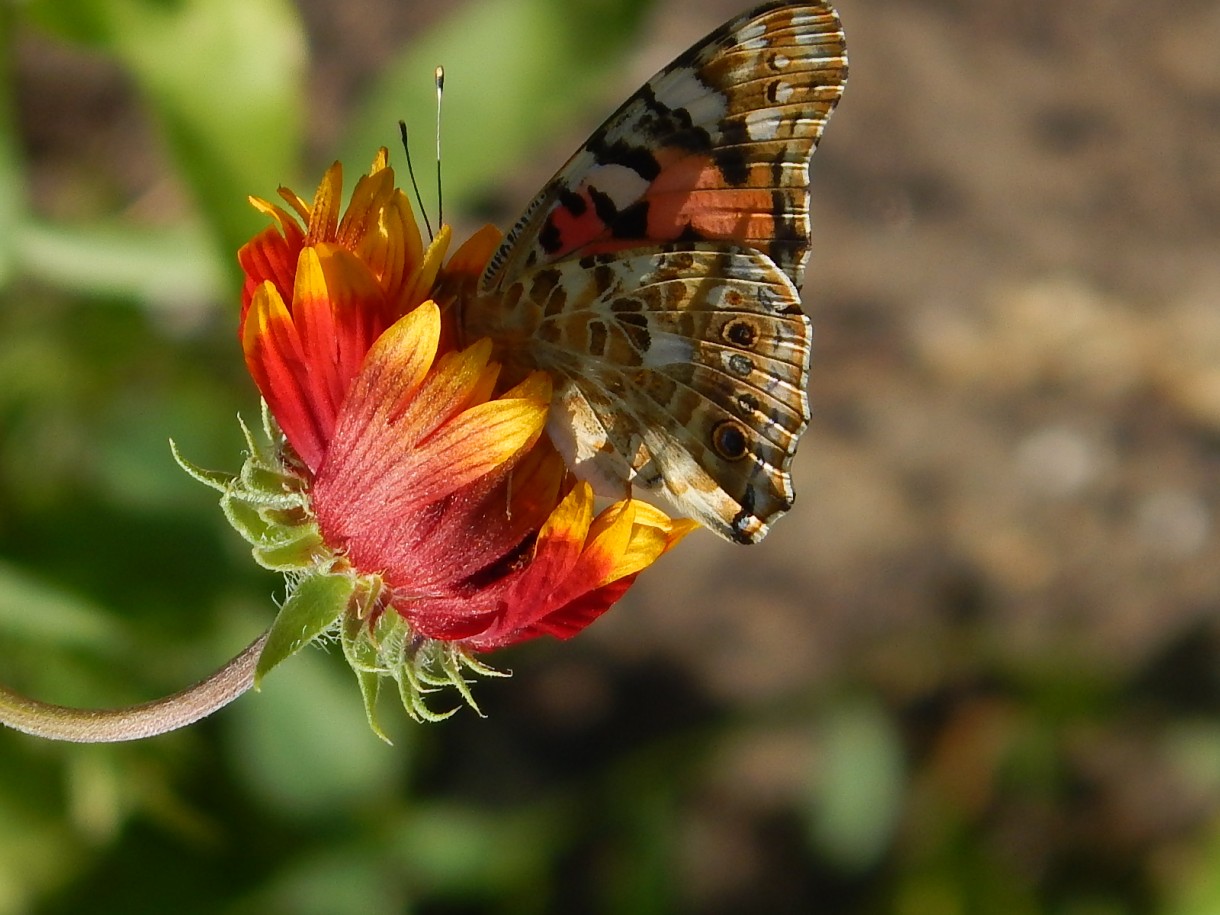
x=631 y=222
x=573 y=203
x=603 y=206
x=549 y=238
x=631 y=156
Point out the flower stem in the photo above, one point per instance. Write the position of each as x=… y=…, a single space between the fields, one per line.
x=79 y=725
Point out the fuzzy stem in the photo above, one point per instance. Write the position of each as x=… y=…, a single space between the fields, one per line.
x=79 y=725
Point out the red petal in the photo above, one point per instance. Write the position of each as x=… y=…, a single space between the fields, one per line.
x=277 y=363
x=573 y=616
x=268 y=257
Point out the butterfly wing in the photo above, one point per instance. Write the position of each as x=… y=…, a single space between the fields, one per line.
x=715 y=146
x=705 y=400
x=657 y=275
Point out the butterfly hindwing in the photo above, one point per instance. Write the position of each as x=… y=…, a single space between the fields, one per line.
x=682 y=366
x=715 y=146
x=656 y=277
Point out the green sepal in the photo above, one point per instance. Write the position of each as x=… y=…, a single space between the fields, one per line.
x=370 y=689
x=269 y=484
x=300 y=552
x=413 y=692
x=215 y=479
x=265 y=451
x=246 y=518
x=361 y=648
x=267 y=503
x=314 y=606
x=283 y=541
x=271 y=429
x=389 y=647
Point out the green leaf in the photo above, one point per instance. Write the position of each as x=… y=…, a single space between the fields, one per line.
x=225 y=80
x=33 y=610
x=314 y=606
x=304 y=749
x=859 y=789
x=334 y=878
x=462 y=852
x=12 y=198
x=160 y=268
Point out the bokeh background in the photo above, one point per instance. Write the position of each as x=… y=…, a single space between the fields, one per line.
x=977 y=669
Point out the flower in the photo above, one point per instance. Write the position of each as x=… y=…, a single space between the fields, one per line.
x=412 y=498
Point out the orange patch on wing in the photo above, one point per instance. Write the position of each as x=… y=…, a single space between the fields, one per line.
x=681 y=174
x=576 y=231
x=689 y=193
x=713 y=213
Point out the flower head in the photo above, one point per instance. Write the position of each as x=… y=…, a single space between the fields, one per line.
x=318 y=295
x=411 y=496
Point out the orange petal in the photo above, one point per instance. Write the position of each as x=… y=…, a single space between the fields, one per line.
x=284 y=220
x=324 y=215
x=609 y=537
x=294 y=200
x=397 y=364
x=479 y=441
x=448 y=391
x=269 y=256
x=560 y=542
x=361 y=216
x=381 y=161
x=651 y=534
x=425 y=278
x=475 y=252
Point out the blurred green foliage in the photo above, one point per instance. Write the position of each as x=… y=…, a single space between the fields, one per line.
x=119 y=580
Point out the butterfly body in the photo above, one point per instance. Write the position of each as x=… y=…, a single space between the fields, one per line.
x=657 y=276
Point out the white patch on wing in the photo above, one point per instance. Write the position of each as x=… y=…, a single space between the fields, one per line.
x=748 y=36
x=708 y=110
x=809 y=30
x=689 y=486
x=622 y=184
x=714 y=295
x=677 y=88
x=800 y=20
x=763 y=124
x=682 y=89
x=626 y=127
x=582 y=443
x=667 y=349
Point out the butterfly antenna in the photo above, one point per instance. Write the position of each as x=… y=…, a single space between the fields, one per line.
x=440 y=91
x=402 y=131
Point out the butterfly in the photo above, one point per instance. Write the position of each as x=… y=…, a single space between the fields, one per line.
x=657 y=276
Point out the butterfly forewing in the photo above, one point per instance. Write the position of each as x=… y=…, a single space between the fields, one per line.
x=657 y=276
x=715 y=146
